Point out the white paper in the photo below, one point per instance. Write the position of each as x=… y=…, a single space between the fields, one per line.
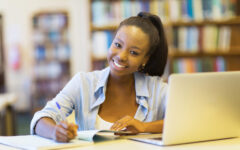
x=99 y=135
x=33 y=142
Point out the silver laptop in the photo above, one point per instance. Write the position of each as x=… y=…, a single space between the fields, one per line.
x=201 y=107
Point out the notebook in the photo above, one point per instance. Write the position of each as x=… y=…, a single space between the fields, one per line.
x=200 y=107
x=34 y=142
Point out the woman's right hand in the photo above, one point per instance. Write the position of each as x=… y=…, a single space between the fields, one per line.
x=64 y=132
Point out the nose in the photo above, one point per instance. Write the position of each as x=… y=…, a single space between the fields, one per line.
x=122 y=55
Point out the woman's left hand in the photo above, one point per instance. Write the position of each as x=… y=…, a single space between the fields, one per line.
x=131 y=124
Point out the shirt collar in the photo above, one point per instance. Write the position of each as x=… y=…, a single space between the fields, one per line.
x=141 y=85
x=142 y=95
x=99 y=91
x=141 y=88
x=101 y=82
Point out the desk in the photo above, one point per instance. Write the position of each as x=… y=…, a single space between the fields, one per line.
x=124 y=144
x=7 y=114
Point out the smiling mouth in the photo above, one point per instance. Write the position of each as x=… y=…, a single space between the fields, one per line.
x=118 y=65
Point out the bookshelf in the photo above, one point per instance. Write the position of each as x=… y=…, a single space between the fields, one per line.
x=105 y=17
x=205 y=38
x=203 y=35
x=2 y=66
x=194 y=43
x=51 y=54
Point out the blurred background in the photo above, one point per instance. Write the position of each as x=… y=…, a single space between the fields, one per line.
x=43 y=43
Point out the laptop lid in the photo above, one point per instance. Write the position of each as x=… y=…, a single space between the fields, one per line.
x=202 y=106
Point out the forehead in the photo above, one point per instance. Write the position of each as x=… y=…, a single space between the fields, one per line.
x=133 y=35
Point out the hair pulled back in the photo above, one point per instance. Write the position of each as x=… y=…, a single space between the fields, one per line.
x=158 y=52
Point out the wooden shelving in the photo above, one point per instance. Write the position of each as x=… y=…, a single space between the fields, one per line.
x=203 y=54
x=104 y=28
x=231 y=21
x=51 y=55
x=219 y=46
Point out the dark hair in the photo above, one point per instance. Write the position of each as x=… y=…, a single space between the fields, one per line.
x=152 y=26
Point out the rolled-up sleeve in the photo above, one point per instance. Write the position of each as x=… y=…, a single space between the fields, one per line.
x=66 y=99
x=46 y=112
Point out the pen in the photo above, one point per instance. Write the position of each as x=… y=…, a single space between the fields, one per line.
x=59 y=109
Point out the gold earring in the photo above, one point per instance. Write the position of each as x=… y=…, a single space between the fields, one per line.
x=141 y=68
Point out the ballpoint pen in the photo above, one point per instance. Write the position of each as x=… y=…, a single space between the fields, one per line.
x=59 y=109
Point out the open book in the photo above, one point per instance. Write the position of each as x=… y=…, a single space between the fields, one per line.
x=99 y=135
x=34 y=142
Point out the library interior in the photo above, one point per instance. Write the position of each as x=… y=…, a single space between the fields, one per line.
x=44 y=43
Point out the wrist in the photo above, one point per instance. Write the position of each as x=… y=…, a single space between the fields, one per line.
x=143 y=127
x=53 y=132
x=153 y=127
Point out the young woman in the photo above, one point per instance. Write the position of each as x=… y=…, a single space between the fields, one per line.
x=127 y=95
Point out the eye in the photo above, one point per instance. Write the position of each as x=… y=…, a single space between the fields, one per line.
x=134 y=53
x=117 y=45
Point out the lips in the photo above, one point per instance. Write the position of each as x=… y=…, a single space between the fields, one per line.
x=119 y=65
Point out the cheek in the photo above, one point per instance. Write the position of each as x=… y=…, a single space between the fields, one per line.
x=135 y=63
x=110 y=53
x=112 y=50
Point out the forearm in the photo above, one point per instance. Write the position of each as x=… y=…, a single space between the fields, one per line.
x=45 y=127
x=153 y=127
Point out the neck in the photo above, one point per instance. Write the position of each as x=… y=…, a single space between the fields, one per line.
x=122 y=81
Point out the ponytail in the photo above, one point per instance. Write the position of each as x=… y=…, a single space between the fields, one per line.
x=152 y=26
x=159 y=52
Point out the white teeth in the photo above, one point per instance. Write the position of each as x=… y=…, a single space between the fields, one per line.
x=118 y=65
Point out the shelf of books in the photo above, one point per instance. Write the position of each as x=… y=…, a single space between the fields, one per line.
x=203 y=35
x=206 y=38
x=2 y=81
x=106 y=15
x=51 y=55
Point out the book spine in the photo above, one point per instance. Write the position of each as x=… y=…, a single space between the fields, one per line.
x=190 y=9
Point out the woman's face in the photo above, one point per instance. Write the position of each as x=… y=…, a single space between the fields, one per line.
x=128 y=51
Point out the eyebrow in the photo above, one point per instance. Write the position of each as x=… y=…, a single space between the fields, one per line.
x=135 y=47
x=119 y=40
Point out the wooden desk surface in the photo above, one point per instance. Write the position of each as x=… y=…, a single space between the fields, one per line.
x=227 y=144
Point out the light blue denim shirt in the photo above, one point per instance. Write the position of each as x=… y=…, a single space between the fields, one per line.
x=85 y=92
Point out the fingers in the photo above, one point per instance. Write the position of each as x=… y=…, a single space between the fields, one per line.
x=64 y=132
x=129 y=124
x=127 y=131
x=64 y=124
x=117 y=126
x=60 y=134
x=122 y=123
x=73 y=129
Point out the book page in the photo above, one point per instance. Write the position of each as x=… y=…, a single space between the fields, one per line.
x=34 y=142
x=99 y=135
